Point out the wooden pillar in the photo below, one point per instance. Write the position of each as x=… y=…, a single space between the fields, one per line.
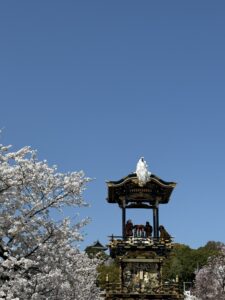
x=122 y=274
x=160 y=272
x=124 y=220
x=156 y=221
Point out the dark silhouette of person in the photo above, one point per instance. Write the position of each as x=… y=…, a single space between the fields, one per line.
x=163 y=233
x=129 y=228
x=148 y=230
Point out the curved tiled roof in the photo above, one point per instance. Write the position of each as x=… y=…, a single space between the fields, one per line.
x=155 y=190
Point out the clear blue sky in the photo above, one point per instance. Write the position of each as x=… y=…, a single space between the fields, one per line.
x=94 y=85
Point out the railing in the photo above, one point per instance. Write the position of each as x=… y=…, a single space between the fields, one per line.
x=164 y=289
x=138 y=241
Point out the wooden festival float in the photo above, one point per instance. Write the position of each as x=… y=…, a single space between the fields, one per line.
x=142 y=249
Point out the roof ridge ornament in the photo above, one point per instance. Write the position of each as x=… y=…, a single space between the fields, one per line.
x=142 y=172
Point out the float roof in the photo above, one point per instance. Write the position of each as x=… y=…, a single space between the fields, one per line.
x=127 y=192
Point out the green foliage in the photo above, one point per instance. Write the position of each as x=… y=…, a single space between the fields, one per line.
x=184 y=261
x=108 y=271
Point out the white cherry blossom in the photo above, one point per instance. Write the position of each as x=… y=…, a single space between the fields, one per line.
x=38 y=256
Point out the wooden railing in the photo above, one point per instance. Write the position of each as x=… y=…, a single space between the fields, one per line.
x=115 y=240
x=165 y=289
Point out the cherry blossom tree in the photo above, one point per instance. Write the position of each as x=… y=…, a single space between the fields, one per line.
x=210 y=280
x=39 y=258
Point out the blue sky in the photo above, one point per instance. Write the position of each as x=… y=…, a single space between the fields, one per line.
x=94 y=85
